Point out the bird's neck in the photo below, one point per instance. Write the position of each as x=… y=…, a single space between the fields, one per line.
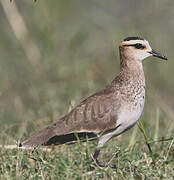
x=131 y=71
x=131 y=66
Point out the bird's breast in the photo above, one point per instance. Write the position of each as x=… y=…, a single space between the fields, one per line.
x=131 y=108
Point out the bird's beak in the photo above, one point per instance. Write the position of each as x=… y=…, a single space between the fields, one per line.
x=156 y=54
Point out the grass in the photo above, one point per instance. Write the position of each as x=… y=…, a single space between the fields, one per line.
x=74 y=161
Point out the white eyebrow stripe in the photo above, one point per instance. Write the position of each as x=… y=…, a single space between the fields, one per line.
x=132 y=42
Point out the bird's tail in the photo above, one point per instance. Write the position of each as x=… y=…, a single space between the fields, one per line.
x=39 y=138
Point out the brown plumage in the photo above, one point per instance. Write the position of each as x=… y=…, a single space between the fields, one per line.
x=94 y=114
x=112 y=110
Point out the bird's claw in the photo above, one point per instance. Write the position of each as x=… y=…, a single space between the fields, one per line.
x=102 y=165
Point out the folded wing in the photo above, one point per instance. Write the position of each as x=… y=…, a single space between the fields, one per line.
x=95 y=114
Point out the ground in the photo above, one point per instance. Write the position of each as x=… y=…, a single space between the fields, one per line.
x=132 y=157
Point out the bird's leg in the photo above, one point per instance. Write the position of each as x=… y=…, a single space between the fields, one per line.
x=95 y=156
x=100 y=164
x=102 y=140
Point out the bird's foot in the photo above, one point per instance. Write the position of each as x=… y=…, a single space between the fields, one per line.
x=102 y=165
x=98 y=163
x=113 y=166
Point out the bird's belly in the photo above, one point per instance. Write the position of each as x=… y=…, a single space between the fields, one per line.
x=129 y=116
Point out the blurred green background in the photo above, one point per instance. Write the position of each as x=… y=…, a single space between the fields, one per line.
x=55 y=53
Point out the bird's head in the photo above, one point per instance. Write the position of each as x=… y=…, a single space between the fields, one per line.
x=137 y=48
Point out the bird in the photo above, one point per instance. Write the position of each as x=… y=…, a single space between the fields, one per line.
x=110 y=111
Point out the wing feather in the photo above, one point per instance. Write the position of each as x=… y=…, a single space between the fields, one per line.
x=94 y=114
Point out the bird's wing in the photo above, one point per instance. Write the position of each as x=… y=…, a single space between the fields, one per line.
x=94 y=114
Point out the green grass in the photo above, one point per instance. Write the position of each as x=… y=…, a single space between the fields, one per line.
x=74 y=161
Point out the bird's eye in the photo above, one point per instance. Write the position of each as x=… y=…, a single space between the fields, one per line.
x=139 y=46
